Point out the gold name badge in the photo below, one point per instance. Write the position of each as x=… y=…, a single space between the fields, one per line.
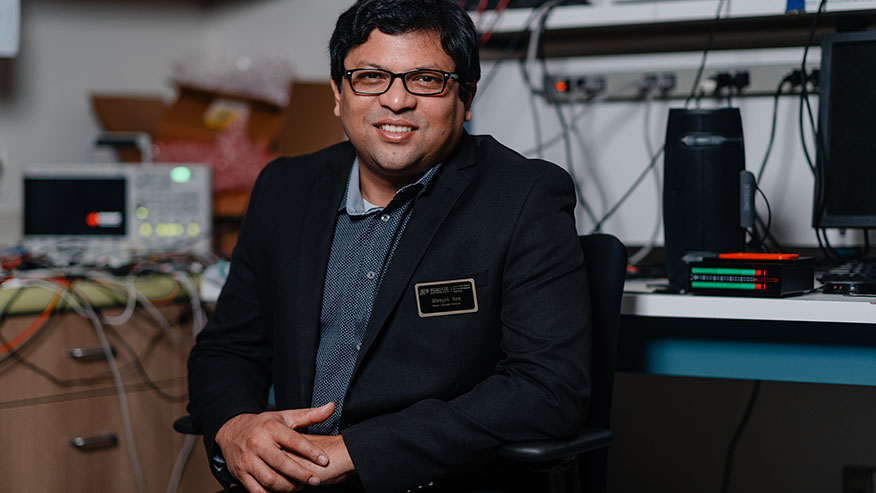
x=446 y=297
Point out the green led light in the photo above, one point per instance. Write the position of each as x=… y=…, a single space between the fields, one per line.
x=181 y=174
x=722 y=271
x=723 y=285
x=142 y=213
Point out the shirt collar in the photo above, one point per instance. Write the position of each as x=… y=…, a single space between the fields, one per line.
x=356 y=205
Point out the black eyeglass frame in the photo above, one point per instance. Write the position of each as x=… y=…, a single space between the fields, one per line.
x=348 y=74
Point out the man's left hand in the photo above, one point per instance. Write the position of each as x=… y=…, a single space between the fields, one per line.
x=340 y=466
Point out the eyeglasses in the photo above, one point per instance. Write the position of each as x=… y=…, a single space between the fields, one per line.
x=419 y=82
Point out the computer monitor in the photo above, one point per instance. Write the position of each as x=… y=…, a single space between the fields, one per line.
x=845 y=181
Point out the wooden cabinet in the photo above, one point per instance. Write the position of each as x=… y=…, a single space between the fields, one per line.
x=48 y=398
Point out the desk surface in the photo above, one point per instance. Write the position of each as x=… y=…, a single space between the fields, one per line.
x=811 y=338
x=640 y=300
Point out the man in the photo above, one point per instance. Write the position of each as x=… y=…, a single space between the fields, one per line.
x=413 y=295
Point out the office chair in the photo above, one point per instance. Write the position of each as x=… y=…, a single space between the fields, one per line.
x=579 y=464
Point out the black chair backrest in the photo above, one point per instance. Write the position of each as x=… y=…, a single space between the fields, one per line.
x=606 y=260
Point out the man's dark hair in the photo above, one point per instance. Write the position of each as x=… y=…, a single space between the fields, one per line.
x=458 y=35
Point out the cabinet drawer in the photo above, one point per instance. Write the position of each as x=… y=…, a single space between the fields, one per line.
x=162 y=356
x=40 y=457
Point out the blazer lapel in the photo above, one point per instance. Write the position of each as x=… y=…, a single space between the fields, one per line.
x=427 y=216
x=315 y=244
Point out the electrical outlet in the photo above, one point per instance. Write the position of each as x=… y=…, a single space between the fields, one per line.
x=666 y=83
x=572 y=89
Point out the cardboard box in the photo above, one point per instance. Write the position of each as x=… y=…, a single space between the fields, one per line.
x=305 y=125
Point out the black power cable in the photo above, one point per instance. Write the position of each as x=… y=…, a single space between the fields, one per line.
x=709 y=42
x=788 y=79
x=766 y=228
x=731 y=450
x=141 y=370
x=818 y=166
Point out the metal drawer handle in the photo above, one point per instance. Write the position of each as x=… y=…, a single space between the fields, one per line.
x=89 y=354
x=98 y=442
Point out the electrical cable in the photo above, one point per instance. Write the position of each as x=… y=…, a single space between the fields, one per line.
x=147 y=305
x=25 y=335
x=479 y=12
x=130 y=303
x=7 y=345
x=141 y=370
x=785 y=80
x=83 y=381
x=629 y=191
x=124 y=408
x=649 y=147
x=499 y=10
x=577 y=116
x=540 y=15
x=533 y=107
x=506 y=54
x=802 y=128
x=534 y=48
x=179 y=465
x=818 y=167
x=731 y=450
x=761 y=241
x=87 y=311
x=769 y=222
x=570 y=166
x=711 y=39
x=584 y=148
x=199 y=318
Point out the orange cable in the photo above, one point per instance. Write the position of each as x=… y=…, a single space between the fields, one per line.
x=36 y=324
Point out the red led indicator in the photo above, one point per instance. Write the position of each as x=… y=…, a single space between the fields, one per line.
x=560 y=86
x=91 y=219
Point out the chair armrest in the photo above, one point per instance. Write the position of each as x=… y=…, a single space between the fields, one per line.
x=586 y=440
x=186 y=426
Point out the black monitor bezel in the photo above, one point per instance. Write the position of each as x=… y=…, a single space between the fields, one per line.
x=821 y=217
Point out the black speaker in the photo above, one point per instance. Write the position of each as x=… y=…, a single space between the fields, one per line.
x=703 y=156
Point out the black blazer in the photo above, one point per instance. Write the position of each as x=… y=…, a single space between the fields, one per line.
x=430 y=398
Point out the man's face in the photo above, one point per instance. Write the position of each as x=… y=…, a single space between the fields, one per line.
x=397 y=135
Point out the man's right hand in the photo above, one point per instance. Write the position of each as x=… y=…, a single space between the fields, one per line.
x=265 y=453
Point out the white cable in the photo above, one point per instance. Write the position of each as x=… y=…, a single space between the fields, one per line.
x=88 y=313
x=127 y=422
x=198 y=315
x=130 y=304
x=535 y=35
x=147 y=305
x=179 y=466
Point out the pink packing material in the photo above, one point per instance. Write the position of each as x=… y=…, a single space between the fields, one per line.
x=233 y=158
